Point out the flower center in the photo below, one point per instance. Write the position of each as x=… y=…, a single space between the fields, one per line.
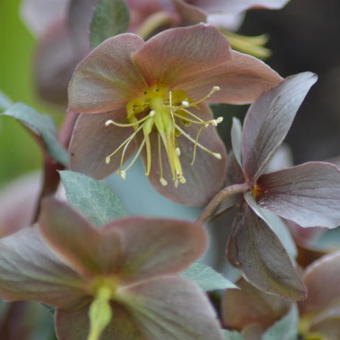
x=165 y=112
x=257 y=191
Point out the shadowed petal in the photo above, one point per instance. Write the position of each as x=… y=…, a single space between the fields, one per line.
x=156 y=246
x=248 y=305
x=30 y=271
x=92 y=142
x=268 y=121
x=322 y=280
x=205 y=177
x=171 y=308
x=177 y=53
x=242 y=79
x=189 y=13
x=106 y=79
x=73 y=324
x=76 y=241
x=308 y=194
x=255 y=249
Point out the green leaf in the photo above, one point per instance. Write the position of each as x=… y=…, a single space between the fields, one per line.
x=94 y=199
x=110 y=17
x=5 y=102
x=232 y=335
x=284 y=329
x=42 y=126
x=206 y=277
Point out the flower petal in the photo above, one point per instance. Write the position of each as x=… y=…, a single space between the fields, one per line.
x=205 y=177
x=74 y=324
x=255 y=249
x=76 y=241
x=170 y=308
x=106 y=79
x=92 y=142
x=248 y=305
x=156 y=246
x=268 y=121
x=189 y=13
x=177 y=53
x=322 y=280
x=30 y=271
x=308 y=194
x=241 y=78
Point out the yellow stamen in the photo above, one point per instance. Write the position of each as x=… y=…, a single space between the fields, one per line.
x=167 y=110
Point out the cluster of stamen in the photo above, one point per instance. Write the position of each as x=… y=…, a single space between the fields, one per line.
x=163 y=111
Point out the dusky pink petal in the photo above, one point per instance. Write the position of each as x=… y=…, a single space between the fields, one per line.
x=189 y=13
x=248 y=305
x=31 y=272
x=170 y=308
x=258 y=253
x=205 y=177
x=106 y=79
x=76 y=241
x=241 y=78
x=269 y=119
x=92 y=142
x=153 y=247
x=308 y=194
x=322 y=279
x=175 y=54
x=55 y=60
x=74 y=324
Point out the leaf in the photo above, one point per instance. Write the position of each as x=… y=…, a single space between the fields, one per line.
x=94 y=199
x=236 y=139
x=5 y=102
x=255 y=249
x=307 y=194
x=42 y=126
x=232 y=335
x=268 y=121
x=284 y=329
x=207 y=278
x=110 y=18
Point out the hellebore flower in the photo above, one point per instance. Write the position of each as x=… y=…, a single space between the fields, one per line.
x=307 y=194
x=117 y=282
x=151 y=98
x=251 y=311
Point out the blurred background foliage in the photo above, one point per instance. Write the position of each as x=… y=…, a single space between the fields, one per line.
x=303 y=36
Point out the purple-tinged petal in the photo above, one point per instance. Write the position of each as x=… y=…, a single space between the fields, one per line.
x=153 y=247
x=257 y=252
x=55 y=61
x=18 y=201
x=308 y=194
x=205 y=177
x=92 y=142
x=76 y=241
x=189 y=13
x=175 y=54
x=268 y=120
x=30 y=271
x=74 y=324
x=241 y=78
x=248 y=305
x=40 y=14
x=170 y=308
x=106 y=79
x=322 y=280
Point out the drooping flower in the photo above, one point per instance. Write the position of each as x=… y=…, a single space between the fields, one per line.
x=151 y=98
x=307 y=194
x=119 y=281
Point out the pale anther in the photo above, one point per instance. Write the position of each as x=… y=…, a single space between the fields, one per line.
x=152 y=113
x=178 y=151
x=108 y=122
x=185 y=103
x=107 y=160
x=163 y=181
x=217 y=155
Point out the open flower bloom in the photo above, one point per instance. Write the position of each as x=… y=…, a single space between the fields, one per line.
x=307 y=194
x=150 y=98
x=119 y=281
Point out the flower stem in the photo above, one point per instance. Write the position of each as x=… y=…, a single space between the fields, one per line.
x=227 y=192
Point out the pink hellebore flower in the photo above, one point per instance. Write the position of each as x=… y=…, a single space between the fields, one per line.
x=150 y=98
x=117 y=282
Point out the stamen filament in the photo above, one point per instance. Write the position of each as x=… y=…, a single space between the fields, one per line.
x=195 y=146
x=215 y=154
x=212 y=91
x=112 y=122
x=162 y=180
